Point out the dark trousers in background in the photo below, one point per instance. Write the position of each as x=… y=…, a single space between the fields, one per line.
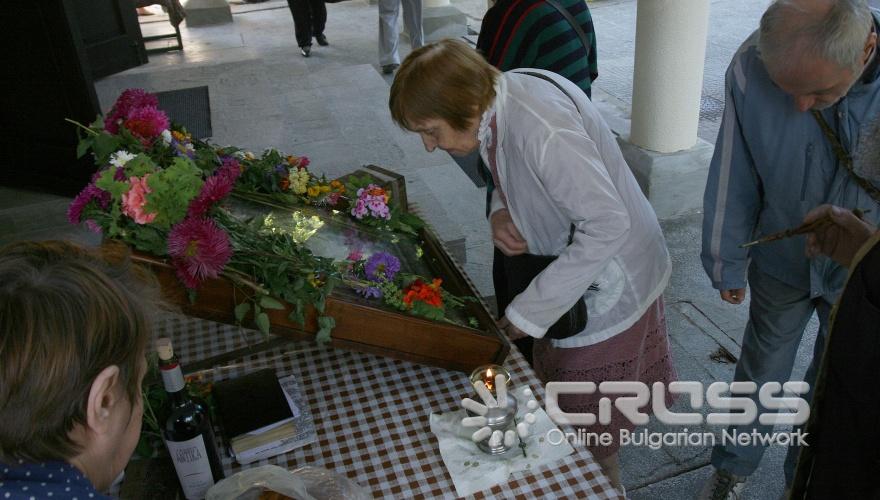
x=309 y=18
x=499 y=279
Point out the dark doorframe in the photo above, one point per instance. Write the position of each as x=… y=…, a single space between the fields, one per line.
x=49 y=76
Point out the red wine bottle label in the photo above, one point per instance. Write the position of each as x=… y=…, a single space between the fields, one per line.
x=173 y=379
x=193 y=468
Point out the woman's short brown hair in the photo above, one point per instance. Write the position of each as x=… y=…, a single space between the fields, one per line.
x=446 y=80
x=65 y=315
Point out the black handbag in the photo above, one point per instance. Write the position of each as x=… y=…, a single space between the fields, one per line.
x=521 y=269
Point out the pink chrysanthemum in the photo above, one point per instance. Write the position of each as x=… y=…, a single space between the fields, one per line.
x=216 y=187
x=128 y=101
x=199 y=250
x=89 y=194
x=146 y=124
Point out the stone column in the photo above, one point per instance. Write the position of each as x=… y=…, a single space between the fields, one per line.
x=668 y=75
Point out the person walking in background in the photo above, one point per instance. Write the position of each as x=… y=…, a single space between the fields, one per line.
x=799 y=92
x=309 y=20
x=389 y=35
x=554 y=35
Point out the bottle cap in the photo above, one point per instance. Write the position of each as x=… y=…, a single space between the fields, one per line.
x=163 y=347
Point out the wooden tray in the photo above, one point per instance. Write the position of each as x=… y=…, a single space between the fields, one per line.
x=361 y=326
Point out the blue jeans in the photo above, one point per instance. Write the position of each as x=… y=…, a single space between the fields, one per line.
x=778 y=314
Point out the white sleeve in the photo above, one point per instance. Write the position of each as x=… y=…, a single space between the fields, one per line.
x=495 y=204
x=572 y=172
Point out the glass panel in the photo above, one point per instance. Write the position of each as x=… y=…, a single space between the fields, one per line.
x=334 y=235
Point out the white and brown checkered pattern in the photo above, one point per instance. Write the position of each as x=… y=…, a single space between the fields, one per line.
x=371 y=414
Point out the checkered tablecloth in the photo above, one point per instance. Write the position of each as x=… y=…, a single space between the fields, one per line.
x=372 y=414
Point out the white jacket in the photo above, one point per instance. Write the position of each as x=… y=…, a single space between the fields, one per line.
x=556 y=167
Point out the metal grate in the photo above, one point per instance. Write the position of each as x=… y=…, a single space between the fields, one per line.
x=190 y=108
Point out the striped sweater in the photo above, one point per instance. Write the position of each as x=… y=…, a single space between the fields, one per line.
x=533 y=34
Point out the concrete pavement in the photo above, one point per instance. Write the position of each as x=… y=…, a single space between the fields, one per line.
x=332 y=107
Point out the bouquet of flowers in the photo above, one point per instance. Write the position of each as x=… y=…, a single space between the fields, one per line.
x=163 y=192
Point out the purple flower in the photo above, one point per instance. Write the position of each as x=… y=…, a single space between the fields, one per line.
x=381 y=266
x=89 y=194
x=199 y=250
x=370 y=292
x=93 y=226
x=360 y=209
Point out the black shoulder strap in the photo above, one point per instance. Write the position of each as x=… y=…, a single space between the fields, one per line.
x=554 y=82
x=571 y=20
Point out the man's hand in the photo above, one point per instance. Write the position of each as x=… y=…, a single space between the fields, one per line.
x=733 y=296
x=505 y=235
x=512 y=332
x=839 y=240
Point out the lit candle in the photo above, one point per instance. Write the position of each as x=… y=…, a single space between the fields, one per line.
x=488 y=375
x=489 y=379
x=485 y=395
x=501 y=390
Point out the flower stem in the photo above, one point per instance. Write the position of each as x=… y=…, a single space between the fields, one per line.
x=80 y=125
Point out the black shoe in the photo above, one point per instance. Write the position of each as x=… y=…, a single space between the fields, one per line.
x=389 y=68
x=305 y=51
x=322 y=40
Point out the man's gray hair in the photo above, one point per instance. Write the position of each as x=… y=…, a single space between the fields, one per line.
x=789 y=31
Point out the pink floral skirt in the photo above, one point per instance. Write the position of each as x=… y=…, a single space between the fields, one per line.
x=639 y=353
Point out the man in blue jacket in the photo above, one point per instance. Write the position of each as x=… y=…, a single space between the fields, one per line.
x=811 y=61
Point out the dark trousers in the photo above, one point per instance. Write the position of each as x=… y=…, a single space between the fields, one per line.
x=502 y=298
x=309 y=18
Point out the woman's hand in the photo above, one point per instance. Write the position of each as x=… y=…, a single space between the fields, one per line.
x=512 y=332
x=505 y=235
x=839 y=240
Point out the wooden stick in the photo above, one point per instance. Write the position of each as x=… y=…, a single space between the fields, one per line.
x=802 y=229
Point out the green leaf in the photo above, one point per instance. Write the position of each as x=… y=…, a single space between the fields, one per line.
x=269 y=303
x=114 y=187
x=298 y=283
x=241 y=311
x=105 y=145
x=172 y=189
x=325 y=325
x=140 y=165
x=83 y=146
x=263 y=324
x=319 y=304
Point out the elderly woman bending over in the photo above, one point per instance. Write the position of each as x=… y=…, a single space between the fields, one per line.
x=73 y=330
x=555 y=165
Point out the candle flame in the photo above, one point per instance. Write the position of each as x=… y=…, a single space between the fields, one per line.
x=490 y=379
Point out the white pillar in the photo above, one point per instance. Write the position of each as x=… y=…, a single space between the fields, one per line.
x=668 y=74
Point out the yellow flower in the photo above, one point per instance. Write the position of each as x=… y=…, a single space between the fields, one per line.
x=325 y=189
x=314 y=191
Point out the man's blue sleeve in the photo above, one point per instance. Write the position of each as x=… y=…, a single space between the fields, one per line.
x=732 y=199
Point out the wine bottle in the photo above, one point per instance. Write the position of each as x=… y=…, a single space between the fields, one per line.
x=188 y=432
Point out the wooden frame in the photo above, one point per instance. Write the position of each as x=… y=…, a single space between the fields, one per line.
x=365 y=328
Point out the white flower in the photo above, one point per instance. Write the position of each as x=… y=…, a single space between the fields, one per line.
x=120 y=158
x=166 y=136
